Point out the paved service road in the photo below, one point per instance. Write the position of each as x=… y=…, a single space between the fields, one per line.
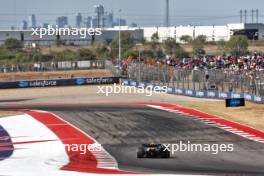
x=122 y=128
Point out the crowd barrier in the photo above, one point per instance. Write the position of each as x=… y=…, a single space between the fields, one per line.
x=59 y=82
x=198 y=94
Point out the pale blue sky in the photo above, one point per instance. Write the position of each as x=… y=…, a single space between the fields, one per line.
x=143 y=12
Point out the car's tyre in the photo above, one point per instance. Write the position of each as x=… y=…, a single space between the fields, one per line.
x=140 y=153
x=167 y=155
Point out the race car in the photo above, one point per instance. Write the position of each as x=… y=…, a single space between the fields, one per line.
x=152 y=151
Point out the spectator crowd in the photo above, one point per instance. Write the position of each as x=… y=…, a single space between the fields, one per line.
x=254 y=62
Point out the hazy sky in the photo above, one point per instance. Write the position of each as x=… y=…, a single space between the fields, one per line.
x=142 y=12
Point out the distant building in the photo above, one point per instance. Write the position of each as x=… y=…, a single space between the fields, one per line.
x=87 y=22
x=103 y=19
x=78 y=20
x=32 y=21
x=24 y=25
x=45 y=25
x=133 y=25
x=213 y=33
x=62 y=21
x=123 y=22
x=98 y=21
x=108 y=19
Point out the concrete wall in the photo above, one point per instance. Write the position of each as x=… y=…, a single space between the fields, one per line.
x=213 y=33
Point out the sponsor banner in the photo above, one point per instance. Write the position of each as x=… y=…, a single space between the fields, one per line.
x=59 y=82
x=223 y=95
x=133 y=83
x=150 y=86
x=178 y=91
x=189 y=92
x=141 y=85
x=258 y=99
x=236 y=95
x=248 y=97
x=211 y=94
x=235 y=102
x=158 y=88
x=125 y=82
x=200 y=94
x=170 y=90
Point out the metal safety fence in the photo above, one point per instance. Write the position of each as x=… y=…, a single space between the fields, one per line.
x=53 y=66
x=199 y=80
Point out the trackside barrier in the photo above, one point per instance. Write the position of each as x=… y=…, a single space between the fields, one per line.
x=199 y=94
x=59 y=82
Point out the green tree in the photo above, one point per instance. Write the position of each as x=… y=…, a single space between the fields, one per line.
x=180 y=52
x=198 y=45
x=186 y=39
x=238 y=45
x=159 y=53
x=85 y=54
x=131 y=52
x=102 y=50
x=173 y=48
x=69 y=55
x=222 y=46
x=156 y=46
x=13 y=44
x=6 y=54
x=127 y=42
x=155 y=38
x=169 y=46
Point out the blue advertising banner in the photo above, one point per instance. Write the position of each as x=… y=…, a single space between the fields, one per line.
x=141 y=85
x=126 y=82
x=150 y=86
x=59 y=82
x=170 y=90
x=133 y=83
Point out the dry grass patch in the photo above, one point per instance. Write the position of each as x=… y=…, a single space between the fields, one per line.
x=251 y=115
x=9 y=113
x=54 y=74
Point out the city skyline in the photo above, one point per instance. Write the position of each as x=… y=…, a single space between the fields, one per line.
x=205 y=12
x=99 y=19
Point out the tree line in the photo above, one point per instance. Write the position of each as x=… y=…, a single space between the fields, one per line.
x=13 y=50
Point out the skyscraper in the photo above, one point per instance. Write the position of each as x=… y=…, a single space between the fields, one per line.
x=79 y=20
x=87 y=22
x=62 y=21
x=99 y=13
x=32 y=21
x=45 y=25
x=24 y=25
x=108 y=19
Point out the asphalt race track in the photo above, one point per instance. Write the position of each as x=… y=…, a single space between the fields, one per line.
x=122 y=128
